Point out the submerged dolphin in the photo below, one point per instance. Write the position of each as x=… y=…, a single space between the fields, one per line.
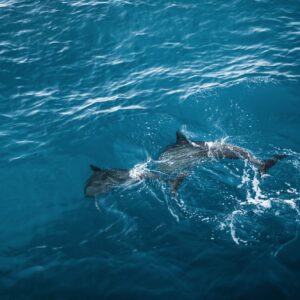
x=173 y=163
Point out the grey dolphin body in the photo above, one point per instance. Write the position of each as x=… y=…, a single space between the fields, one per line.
x=104 y=180
x=173 y=164
x=185 y=153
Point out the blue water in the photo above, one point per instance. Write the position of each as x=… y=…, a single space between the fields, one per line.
x=109 y=83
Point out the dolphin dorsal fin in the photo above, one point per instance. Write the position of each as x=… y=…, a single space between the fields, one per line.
x=95 y=168
x=181 y=138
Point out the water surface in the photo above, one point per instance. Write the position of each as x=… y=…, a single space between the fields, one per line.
x=109 y=83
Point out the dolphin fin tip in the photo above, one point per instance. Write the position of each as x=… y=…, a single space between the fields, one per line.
x=95 y=168
x=181 y=138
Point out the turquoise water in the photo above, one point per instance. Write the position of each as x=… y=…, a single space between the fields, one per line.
x=109 y=83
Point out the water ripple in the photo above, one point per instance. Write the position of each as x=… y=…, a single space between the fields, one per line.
x=109 y=82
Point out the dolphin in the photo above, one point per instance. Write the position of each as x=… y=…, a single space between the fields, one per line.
x=173 y=163
x=104 y=180
x=185 y=153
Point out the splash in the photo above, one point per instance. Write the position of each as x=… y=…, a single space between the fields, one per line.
x=215 y=145
x=249 y=219
x=258 y=213
x=139 y=171
x=254 y=194
x=232 y=227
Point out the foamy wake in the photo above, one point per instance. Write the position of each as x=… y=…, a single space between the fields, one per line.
x=139 y=171
x=254 y=194
x=257 y=201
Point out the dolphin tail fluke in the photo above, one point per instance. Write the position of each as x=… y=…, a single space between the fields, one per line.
x=269 y=163
x=176 y=182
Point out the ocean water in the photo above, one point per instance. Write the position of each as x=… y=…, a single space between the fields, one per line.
x=109 y=82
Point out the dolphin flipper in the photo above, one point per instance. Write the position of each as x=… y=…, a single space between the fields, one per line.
x=176 y=182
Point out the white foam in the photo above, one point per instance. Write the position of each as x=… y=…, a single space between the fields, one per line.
x=259 y=198
x=291 y=203
x=254 y=193
x=264 y=203
x=233 y=234
x=245 y=177
x=139 y=171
